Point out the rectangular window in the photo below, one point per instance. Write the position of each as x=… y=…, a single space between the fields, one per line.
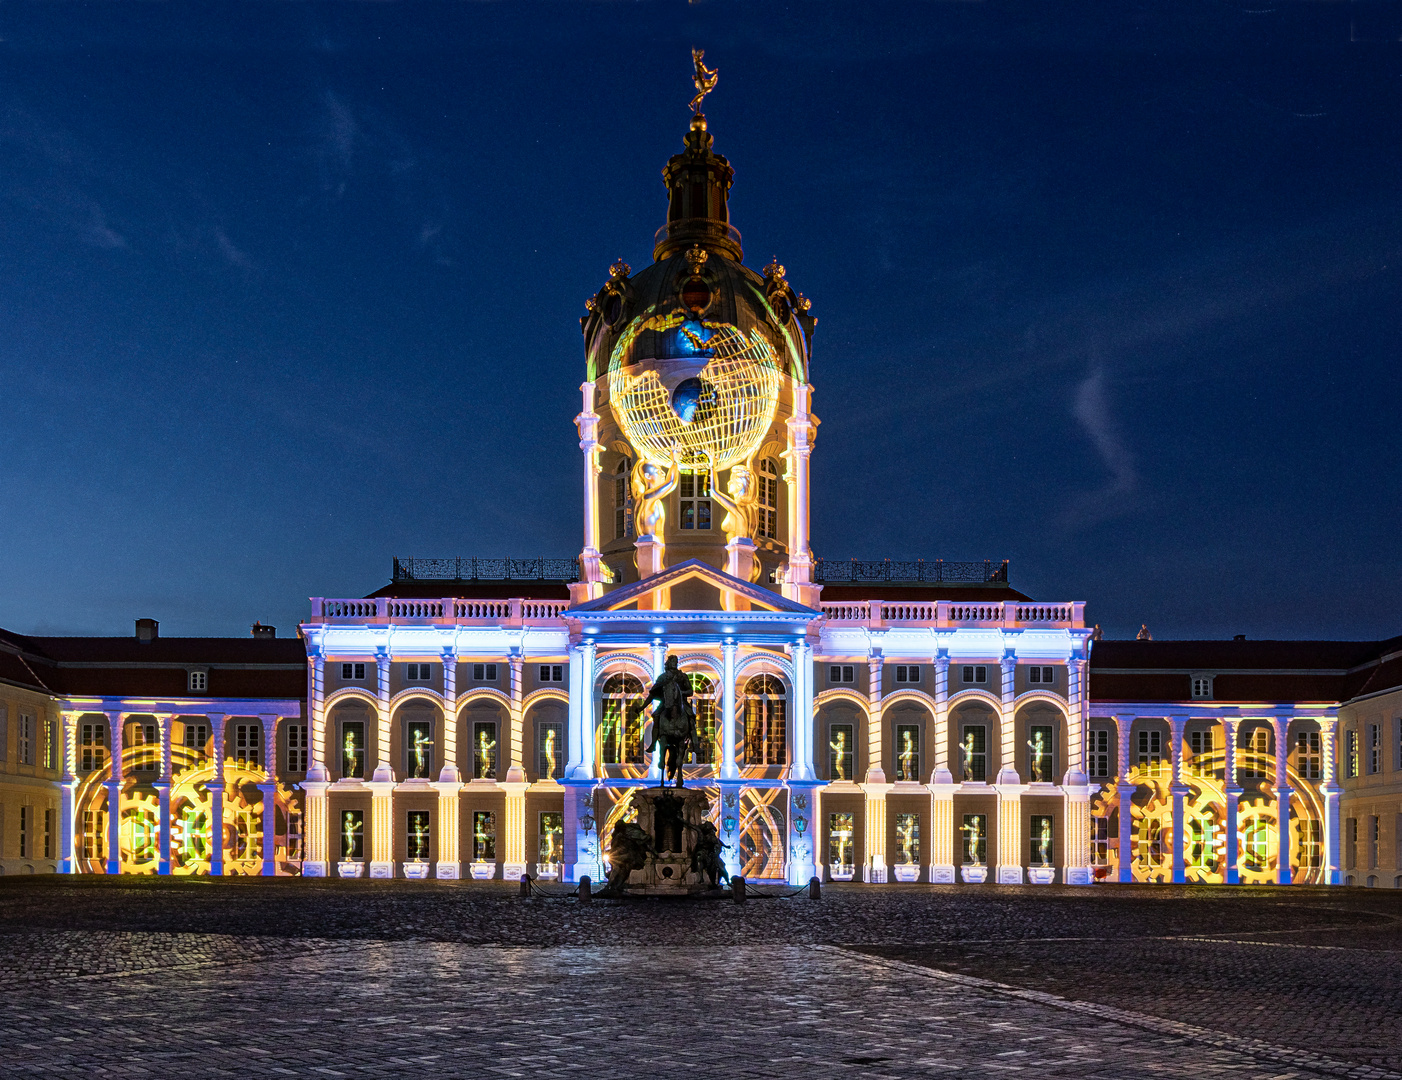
x=484 y=835
x=52 y=759
x=693 y=492
x=975 y=673
x=199 y=681
x=94 y=752
x=768 y=492
x=1098 y=755
x=766 y=722
x=552 y=673
x=26 y=739
x=352 y=835
x=48 y=834
x=1310 y=834
x=196 y=736
x=416 y=836
x=1201 y=846
x=353 y=749
x=248 y=745
x=551 y=847
x=295 y=851
x=1202 y=745
x=622 y=504
x=418 y=749
x=1099 y=841
x=841 y=673
x=1374 y=839
x=842 y=749
x=907 y=839
x=907 y=673
x=417 y=672
x=1351 y=844
x=1307 y=755
x=551 y=747
x=24 y=832
x=484 y=750
x=1041 y=754
x=1148 y=842
x=1041 y=676
x=1258 y=747
x=842 y=831
x=975 y=839
x=1151 y=753
x=144 y=747
x=1350 y=754
x=296 y=748
x=1375 y=748
x=703 y=701
x=908 y=753
x=352 y=672
x=1202 y=686
x=484 y=673
x=248 y=835
x=973 y=751
x=1256 y=845
x=1039 y=841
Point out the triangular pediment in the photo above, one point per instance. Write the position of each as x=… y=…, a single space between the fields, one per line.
x=693 y=570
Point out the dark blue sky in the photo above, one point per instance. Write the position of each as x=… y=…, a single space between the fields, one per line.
x=1113 y=292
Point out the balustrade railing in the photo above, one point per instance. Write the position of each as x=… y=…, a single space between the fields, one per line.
x=448 y=611
x=953 y=613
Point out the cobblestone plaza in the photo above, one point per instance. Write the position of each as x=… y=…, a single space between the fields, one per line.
x=187 y=977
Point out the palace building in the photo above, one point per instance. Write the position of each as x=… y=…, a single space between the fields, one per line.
x=877 y=722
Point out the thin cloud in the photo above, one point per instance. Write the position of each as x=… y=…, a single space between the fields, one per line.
x=1092 y=408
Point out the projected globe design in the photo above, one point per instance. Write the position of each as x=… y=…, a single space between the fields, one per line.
x=720 y=400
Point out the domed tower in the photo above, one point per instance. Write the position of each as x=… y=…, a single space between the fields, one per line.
x=696 y=427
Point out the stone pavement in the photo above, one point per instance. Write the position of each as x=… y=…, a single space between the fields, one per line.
x=447 y=1010
x=147 y=977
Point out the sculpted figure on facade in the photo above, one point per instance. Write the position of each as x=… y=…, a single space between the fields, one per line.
x=652 y=483
x=739 y=503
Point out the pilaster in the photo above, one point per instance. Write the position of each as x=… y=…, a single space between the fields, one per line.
x=591 y=572
x=316 y=712
x=449 y=773
x=1124 y=792
x=449 y=826
x=515 y=773
x=1281 y=733
x=383 y=772
x=1329 y=788
x=1232 y=794
x=215 y=788
x=116 y=721
x=162 y=787
x=876 y=870
x=1007 y=729
x=514 y=864
x=803 y=830
x=1179 y=791
x=315 y=827
x=381 y=828
x=1009 y=833
x=875 y=774
x=68 y=788
x=729 y=770
x=942 y=830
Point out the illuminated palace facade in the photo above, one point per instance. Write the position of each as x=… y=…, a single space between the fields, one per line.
x=876 y=722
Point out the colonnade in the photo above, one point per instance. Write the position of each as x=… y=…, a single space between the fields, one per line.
x=1125 y=788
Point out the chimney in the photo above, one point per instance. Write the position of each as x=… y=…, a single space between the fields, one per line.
x=147 y=630
x=264 y=633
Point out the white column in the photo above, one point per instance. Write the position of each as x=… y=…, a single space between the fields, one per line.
x=269 y=789
x=1281 y=725
x=162 y=787
x=68 y=786
x=875 y=774
x=115 y=723
x=1007 y=729
x=1009 y=784
x=516 y=773
x=1329 y=788
x=1124 y=789
x=802 y=768
x=316 y=708
x=1231 y=874
x=728 y=768
x=1179 y=791
x=659 y=665
x=448 y=738
x=798 y=576
x=1075 y=785
x=383 y=771
x=590 y=584
x=941 y=781
x=215 y=788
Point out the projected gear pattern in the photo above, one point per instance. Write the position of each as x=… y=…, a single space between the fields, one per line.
x=735 y=408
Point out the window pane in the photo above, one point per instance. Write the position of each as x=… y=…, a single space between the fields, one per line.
x=841 y=751
x=908 y=753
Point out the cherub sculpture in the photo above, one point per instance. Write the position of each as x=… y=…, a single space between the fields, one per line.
x=652 y=483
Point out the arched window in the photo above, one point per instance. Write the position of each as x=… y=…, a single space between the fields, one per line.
x=703 y=701
x=622 y=502
x=620 y=721
x=765 y=716
x=768 y=499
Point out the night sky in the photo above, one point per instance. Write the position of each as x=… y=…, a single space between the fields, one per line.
x=1114 y=292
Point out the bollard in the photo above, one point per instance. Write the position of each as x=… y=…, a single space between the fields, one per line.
x=737 y=888
x=584 y=894
x=525 y=884
x=815 y=888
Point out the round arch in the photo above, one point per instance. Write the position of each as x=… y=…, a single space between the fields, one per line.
x=500 y=697
x=1041 y=697
x=714 y=667
x=851 y=696
x=783 y=665
x=350 y=692
x=432 y=696
x=899 y=696
x=547 y=693
x=964 y=697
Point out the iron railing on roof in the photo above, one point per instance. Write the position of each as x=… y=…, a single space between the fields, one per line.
x=855 y=571
x=413 y=569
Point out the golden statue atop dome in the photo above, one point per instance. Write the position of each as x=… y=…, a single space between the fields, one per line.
x=705 y=79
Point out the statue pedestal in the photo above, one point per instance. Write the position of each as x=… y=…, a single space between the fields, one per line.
x=672 y=818
x=974 y=875
x=739 y=563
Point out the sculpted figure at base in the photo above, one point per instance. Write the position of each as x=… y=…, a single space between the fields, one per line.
x=629 y=847
x=739 y=505
x=673 y=720
x=706 y=856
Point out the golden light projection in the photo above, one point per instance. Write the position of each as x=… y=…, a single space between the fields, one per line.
x=1204 y=824
x=720 y=402
x=763 y=829
x=191 y=817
